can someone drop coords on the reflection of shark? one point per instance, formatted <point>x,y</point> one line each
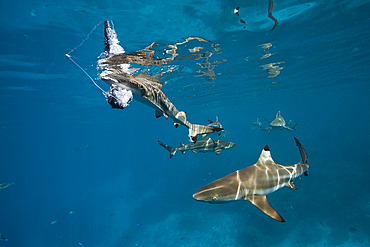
<point>87,147</point>
<point>205,145</point>
<point>279,124</point>
<point>254,182</point>
<point>5,185</point>
<point>118,73</point>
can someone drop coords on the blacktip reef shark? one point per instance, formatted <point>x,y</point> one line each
<point>218,125</point>
<point>279,124</point>
<point>253,183</point>
<point>119,74</point>
<point>205,145</point>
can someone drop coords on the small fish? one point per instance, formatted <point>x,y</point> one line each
<point>353,228</point>
<point>321,222</point>
<point>3,238</point>
<point>80,244</point>
<point>182,238</point>
<point>53,222</point>
<point>71,212</point>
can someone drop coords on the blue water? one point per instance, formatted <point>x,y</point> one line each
<point>124,190</point>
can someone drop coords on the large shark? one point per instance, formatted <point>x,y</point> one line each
<point>119,73</point>
<point>253,183</point>
<point>205,145</point>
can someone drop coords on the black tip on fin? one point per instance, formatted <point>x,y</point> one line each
<point>302,151</point>
<point>266,148</point>
<point>297,142</point>
<point>194,139</point>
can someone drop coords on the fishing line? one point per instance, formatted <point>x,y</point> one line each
<point>87,37</point>
<point>69,56</point>
<point>116,97</point>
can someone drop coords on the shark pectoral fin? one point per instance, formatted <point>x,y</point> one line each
<point>195,151</point>
<point>159,114</point>
<point>218,151</point>
<point>260,201</point>
<point>291,185</point>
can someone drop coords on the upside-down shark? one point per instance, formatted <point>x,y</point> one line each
<point>254,182</point>
<point>205,145</point>
<point>118,72</point>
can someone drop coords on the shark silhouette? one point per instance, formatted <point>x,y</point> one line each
<point>254,182</point>
<point>279,124</point>
<point>205,145</point>
<point>119,73</point>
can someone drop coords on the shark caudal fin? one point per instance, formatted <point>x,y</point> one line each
<point>111,41</point>
<point>295,125</point>
<point>302,151</point>
<point>197,129</point>
<point>170,149</point>
<point>304,166</point>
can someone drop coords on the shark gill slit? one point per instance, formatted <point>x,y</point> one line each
<point>238,179</point>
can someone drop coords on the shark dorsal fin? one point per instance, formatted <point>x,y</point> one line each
<point>265,155</point>
<point>260,201</point>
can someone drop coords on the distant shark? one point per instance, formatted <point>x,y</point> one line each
<point>279,124</point>
<point>216,124</point>
<point>5,185</point>
<point>205,145</point>
<point>254,182</point>
<point>118,73</point>
<point>87,147</point>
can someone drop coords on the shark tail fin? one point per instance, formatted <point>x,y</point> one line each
<point>111,41</point>
<point>295,125</point>
<point>170,149</point>
<point>302,151</point>
<point>289,128</point>
<point>197,129</point>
